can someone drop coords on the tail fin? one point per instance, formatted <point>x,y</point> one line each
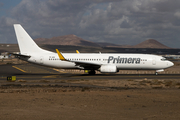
<point>26,44</point>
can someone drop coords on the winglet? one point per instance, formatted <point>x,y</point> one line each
<point>77,51</point>
<point>60,55</point>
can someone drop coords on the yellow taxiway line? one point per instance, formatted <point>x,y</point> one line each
<point>59,70</point>
<point>19,69</point>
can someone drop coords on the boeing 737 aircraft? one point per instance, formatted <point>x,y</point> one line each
<point>103,62</point>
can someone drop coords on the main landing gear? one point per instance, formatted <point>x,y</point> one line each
<point>92,72</point>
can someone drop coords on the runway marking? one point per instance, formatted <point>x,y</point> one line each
<point>19,69</point>
<point>150,77</point>
<point>59,70</point>
<point>51,76</point>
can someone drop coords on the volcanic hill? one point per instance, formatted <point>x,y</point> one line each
<point>72,40</point>
<point>151,43</point>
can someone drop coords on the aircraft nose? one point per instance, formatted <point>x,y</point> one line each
<point>170,63</point>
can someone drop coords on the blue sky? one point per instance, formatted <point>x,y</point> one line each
<point>7,5</point>
<point>124,22</point>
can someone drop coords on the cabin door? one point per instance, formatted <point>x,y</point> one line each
<point>41,60</point>
<point>154,61</point>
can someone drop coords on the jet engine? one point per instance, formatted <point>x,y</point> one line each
<point>108,68</point>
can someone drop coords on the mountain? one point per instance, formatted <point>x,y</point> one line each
<point>151,43</point>
<point>72,40</point>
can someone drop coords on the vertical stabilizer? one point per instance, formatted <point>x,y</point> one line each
<point>26,44</point>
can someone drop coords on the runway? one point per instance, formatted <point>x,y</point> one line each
<point>35,72</point>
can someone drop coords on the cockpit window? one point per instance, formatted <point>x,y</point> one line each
<point>163,59</point>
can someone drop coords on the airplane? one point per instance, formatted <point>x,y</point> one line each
<point>91,62</point>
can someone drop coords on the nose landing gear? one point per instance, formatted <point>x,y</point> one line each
<point>156,73</point>
<point>159,71</point>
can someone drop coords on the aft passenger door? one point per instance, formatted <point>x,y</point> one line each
<point>41,60</point>
<point>153,61</point>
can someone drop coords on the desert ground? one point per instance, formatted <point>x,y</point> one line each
<point>113,99</point>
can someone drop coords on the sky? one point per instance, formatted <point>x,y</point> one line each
<point>123,22</point>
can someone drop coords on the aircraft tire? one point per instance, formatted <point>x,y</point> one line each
<point>92,72</point>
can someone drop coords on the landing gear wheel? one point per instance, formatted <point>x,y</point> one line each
<point>92,72</point>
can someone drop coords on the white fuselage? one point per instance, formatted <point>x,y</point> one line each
<point>122,61</point>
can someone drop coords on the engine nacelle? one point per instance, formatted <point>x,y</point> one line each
<point>108,68</point>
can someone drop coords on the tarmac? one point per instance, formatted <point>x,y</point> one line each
<point>39,76</point>
<point>36,72</point>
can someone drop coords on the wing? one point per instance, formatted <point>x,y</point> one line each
<point>87,65</point>
<point>81,64</point>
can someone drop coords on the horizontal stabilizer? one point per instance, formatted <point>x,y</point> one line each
<point>20,55</point>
